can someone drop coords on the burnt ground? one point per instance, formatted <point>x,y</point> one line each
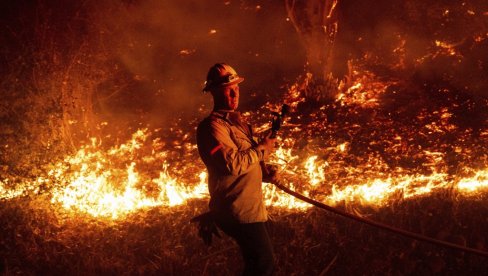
<point>162,241</point>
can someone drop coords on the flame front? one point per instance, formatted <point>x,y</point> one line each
<point>109,184</point>
<point>144,172</point>
<point>96,182</point>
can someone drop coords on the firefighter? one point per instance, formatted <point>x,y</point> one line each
<point>232,157</point>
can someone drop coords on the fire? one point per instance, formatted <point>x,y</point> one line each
<point>276,198</point>
<point>144,172</point>
<point>446,46</point>
<point>379,191</point>
<point>6,193</point>
<point>91,191</point>
<point>315,173</point>
<point>363,91</point>
<point>111,183</point>
<point>472,184</point>
<point>374,191</point>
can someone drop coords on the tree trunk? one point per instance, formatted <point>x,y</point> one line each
<point>316,22</point>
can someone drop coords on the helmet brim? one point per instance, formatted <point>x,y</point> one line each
<point>234,81</point>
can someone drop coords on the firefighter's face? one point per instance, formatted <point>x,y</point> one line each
<point>226,97</point>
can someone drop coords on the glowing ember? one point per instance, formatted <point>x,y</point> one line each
<point>144,172</point>
<point>6,193</point>
<point>446,46</point>
<point>92,181</point>
<point>363,91</point>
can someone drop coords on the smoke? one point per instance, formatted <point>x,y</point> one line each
<point>138,62</point>
<point>165,48</point>
<point>69,66</point>
<point>435,45</point>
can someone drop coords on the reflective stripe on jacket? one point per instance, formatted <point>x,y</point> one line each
<point>229,152</point>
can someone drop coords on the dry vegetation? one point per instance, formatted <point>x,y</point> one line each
<point>41,238</point>
<point>35,241</point>
<point>58,72</point>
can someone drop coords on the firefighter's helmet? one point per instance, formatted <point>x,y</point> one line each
<point>221,74</point>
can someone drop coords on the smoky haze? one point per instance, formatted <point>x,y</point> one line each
<point>68,65</point>
<point>165,49</point>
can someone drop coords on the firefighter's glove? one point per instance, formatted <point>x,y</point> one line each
<point>267,145</point>
<point>206,227</point>
<point>270,174</point>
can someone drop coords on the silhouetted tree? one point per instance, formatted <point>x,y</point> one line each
<point>316,22</point>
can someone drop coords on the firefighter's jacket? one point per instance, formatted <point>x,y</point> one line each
<point>232,158</point>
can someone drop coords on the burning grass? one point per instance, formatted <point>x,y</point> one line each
<point>404,145</point>
<point>125,208</point>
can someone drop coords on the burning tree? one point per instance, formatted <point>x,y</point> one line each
<point>405,143</point>
<point>316,23</point>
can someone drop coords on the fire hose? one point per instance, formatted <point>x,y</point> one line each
<point>207,228</point>
<point>379,225</point>
<point>276,124</point>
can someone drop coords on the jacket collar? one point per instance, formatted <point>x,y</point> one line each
<point>233,118</point>
<point>225,114</point>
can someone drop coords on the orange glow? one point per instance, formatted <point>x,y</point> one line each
<point>474,184</point>
<point>112,182</point>
<point>90,185</point>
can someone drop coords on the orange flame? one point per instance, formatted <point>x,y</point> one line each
<point>138,174</point>
<point>90,183</point>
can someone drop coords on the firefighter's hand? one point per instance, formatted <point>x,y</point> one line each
<point>270,174</point>
<point>267,145</point>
